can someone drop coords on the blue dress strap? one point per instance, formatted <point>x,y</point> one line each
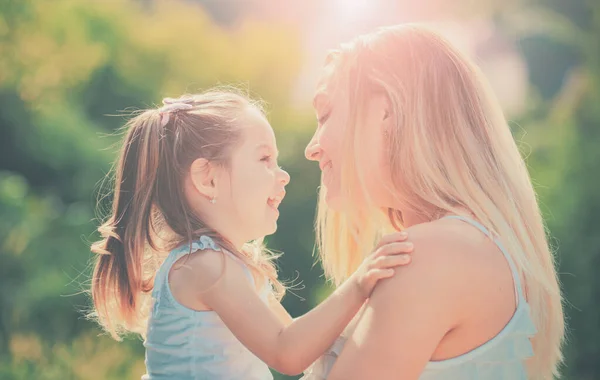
<point>511,263</point>
<point>204,243</point>
<point>247,271</point>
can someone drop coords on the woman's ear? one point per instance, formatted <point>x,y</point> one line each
<point>386,108</point>
<point>203,175</point>
<point>386,117</point>
<point>386,114</point>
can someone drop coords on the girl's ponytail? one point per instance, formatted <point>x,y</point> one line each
<point>118,278</point>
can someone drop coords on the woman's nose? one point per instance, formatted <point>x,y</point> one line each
<point>313,149</point>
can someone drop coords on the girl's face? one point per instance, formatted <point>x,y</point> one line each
<point>251,189</point>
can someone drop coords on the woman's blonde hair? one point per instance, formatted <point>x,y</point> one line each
<point>150,212</point>
<point>451,150</point>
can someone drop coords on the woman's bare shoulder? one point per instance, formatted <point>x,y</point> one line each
<point>451,262</point>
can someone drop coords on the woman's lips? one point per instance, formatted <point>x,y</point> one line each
<point>324,165</point>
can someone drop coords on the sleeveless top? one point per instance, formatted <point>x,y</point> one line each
<point>184,344</point>
<point>501,358</point>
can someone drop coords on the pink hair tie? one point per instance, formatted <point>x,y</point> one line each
<point>172,105</point>
<point>184,100</point>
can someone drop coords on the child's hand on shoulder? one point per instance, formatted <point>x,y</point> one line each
<point>392,251</point>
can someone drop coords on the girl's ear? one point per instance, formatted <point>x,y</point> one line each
<point>203,175</point>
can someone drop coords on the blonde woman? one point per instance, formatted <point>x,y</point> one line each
<point>410,137</point>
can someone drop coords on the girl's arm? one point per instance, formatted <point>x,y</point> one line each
<point>277,308</point>
<point>288,347</point>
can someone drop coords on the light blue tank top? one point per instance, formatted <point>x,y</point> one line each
<point>501,358</point>
<point>184,344</point>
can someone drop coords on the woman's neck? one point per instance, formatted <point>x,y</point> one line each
<point>410,219</point>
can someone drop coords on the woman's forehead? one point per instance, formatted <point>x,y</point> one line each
<point>327,81</point>
<point>326,92</point>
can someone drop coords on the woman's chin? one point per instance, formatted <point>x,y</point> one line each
<point>334,201</point>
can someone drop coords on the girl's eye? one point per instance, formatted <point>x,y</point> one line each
<point>266,158</point>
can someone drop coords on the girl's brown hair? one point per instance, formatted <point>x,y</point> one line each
<point>150,213</point>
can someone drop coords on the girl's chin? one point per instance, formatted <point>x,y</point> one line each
<point>271,229</point>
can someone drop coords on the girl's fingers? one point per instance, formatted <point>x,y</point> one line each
<point>385,262</point>
<point>379,274</point>
<point>393,237</point>
<point>394,249</point>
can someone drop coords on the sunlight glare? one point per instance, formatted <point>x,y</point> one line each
<point>351,9</point>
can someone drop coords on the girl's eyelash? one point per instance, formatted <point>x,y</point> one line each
<point>266,158</point>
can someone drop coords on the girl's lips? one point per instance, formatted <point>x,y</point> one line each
<point>275,201</point>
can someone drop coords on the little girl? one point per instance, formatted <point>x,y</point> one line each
<point>198,178</point>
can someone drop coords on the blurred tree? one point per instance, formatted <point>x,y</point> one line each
<point>560,43</point>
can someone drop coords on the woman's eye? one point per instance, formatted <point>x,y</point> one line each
<point>266,158</point>
<point>323,118</point>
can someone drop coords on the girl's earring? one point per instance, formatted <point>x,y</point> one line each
<point>213,200</point>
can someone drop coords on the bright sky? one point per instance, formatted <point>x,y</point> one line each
<point>324,24</point>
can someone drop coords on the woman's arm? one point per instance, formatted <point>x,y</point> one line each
<point>287,346</point>
<point>408,315</point>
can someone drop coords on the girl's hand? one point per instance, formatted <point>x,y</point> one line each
<point>392,251</point>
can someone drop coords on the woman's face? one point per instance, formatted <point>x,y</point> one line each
<point>326,146</point>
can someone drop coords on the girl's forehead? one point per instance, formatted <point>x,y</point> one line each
<point>257,130</point>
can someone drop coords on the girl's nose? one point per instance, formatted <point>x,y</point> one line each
<point>284,177</point>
